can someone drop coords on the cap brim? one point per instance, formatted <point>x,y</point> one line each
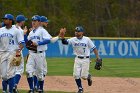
<point>8,18</point>
<point>47,21</point>
<point>34,19</point>
<point>4,18</point>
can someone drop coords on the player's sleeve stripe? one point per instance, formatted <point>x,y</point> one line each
<point>21,42</point>
<point>64,41</point>
<point>93,48</point>
<point>25,38</point>
<point>46,41</point>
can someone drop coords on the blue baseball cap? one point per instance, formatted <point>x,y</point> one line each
<point>44,19</point>
<point>20,18</point>
<point>8,16</point>
<point>36,18</point>
<point>79,29</point>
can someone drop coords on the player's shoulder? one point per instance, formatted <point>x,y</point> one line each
<point>41,29</point>
<point>14,27</point>
<point>72,38</point>
<point>2,28</point>
<point>85,37</point>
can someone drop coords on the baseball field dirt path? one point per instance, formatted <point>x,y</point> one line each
<point>100,84</point>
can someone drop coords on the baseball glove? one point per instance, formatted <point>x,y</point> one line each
<point>30,46</point>
<point>98,64</point>
<point>16,61</point>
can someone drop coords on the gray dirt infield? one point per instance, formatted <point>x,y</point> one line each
<point>100,84</point>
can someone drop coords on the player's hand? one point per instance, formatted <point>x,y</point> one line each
<point>34,43</point>
<point>25,30</point>
<point>31,29</point>
<point>62,32</point>
<point>18,52</point>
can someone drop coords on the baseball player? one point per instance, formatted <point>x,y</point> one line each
<point>11,41</point>
<point>82,46</point>
<point>33,63</point>
<point>44,23</point>
<point>4,82</point>
<point>20,19</point>
<point>37,59</point>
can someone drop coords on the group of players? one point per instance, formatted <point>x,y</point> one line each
<point>13,38</point>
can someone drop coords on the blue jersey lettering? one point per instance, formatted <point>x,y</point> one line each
<point>80,44</point>
<point>6,35</point>
<point>35,37</point>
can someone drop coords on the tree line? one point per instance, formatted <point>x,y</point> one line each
<point>100,18</point>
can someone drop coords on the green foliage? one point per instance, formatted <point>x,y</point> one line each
<point>98,17</point>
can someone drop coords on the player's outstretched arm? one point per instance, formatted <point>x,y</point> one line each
<point>60,35</point>
<point>96,53</point>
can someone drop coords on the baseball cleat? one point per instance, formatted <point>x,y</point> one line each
<point>40,91</point>
<point>30,91</point>
<point>15,89</point>
<point>80,91</point>
<point>35,89</point>
<point>4,92</point>
<point>89,80</point>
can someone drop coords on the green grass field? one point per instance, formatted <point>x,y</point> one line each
<point>111,68</point>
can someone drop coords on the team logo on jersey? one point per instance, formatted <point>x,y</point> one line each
<point>35,37</point>
<point>6,35</point>
<point>80,44</point>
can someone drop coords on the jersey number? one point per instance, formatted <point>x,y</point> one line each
<point>11,42</point>
<point>84,49</point>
